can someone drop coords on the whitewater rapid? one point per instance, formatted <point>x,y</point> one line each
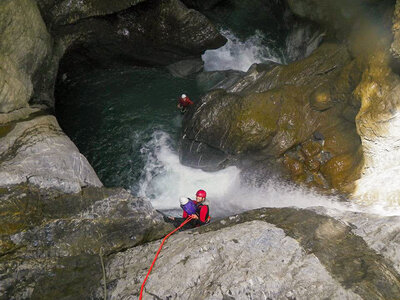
<point>165,180</point>
<point>239,54</point>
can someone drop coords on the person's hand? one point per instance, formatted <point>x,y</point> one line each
<point>194,217</point>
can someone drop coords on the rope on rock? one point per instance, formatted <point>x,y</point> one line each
<point>158,252</point>
<point>104,274</point>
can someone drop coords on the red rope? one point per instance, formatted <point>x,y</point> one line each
<point>158,252</point>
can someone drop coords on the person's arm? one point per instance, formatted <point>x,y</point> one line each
<point>190,101</point>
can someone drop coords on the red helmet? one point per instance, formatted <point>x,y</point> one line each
<point>201,193</point>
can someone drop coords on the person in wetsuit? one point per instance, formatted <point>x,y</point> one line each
<point>195,208</point>
<point>184,102</point>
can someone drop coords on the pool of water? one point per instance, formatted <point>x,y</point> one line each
<point>112,114</point>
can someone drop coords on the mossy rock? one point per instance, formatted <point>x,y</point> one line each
<point>342,170</point>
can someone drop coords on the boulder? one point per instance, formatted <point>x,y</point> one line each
<point>218,79</point>
<point>265,253</point>
<point>25,47</point>
<point>274,112</point>
<point>37,151</point>
<point>53,245</point>
<point>185,68</point>
<point>133,37</point>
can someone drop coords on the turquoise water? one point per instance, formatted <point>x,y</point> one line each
<point>112,114</point>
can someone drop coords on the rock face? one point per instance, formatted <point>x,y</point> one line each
<point>378,118</point>
<point>301,114</point>
<point>50,242</point>
<point>338,17</point>
<point>58,13</point>
<point>24,47</point>
<point>201,4</point>
<point>133,37</point>
<point>263,254</point>
<point>53,245</point>
<point>395,47</point>
<point>37,151</point>
<point>378,123</point>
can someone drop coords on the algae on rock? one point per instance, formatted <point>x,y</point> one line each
<point>271,113</point>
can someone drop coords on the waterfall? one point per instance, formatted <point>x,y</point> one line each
<point>165,179</point>
<point>240,55</point>
<point>379,183</point>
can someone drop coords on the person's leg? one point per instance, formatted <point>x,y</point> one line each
<point>191,224</point>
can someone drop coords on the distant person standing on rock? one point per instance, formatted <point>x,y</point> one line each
<point>184,102</point>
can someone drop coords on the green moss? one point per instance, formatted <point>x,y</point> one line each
<point>5,129</point>
<point>74,277</point>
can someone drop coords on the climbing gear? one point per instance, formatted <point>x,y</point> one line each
<point>183,96</point>
<point>190,207</point>
<point>201,193</point>
<point>158,252</point>
<point>183,200</point>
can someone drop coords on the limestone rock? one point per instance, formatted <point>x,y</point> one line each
<point>380,233</point>
<point>201,4</point>
<point>37,151</point>
<point>24,47</point>
<point>395,47</point>
<point>7,120</point>
<point>132,37</point>
<point>378,125</point>
<point>338,17</point>
<point>52,245</point>
<point>185,68</point>
<point>302,40</point>
<point>255,260</point>
<point>266,253</point>
<point>51,242</point>
<point>57,13</point>
<point>267,113</point>
<point>218,79</point>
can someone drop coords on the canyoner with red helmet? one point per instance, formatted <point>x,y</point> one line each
<point>201,215</point>
<point>184,102</point>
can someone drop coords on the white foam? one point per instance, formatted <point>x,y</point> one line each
<point>165,180</point>
<point>379,182</point>
<point>239,55</point>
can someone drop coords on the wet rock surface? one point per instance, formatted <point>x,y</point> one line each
<point>51,243</point>
<point>276,112</point>
<point>25,46</point>
<point>265,253</point>
<point>201,4</point>
<point>58,13</point>
<point>133,37</point>
<point>37,151</point>
<point>54,245</point>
